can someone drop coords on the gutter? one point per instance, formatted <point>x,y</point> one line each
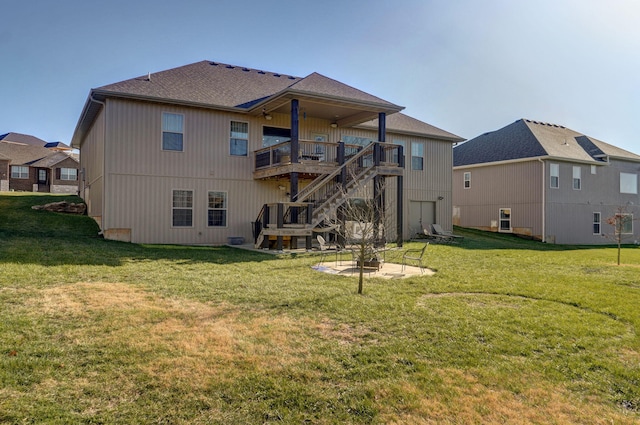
<point>544,196</point>
<point>104,160</point>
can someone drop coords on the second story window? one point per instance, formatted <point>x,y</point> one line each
<point>554,176</point>
<point>239,139</point>
<point>629,183</point>
<point>577,178</point>
<point>172,132</point>
<point>467,180</point>
<point>417,156</point>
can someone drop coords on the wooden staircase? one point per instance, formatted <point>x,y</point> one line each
<point>318,202</point>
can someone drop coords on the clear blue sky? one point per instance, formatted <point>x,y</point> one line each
<point>467,66</point>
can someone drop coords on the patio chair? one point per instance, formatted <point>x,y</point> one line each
<point>427,234</point>
<point>324,248</point>
<point>437,230</point>
<point>324,245</point>
<point>414,255</point>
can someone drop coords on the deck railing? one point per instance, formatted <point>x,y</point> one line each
<point>321,152</point>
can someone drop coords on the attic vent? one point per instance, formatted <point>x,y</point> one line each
<point>246,69</point>
<point>230,66</point>
<point>213,63</point>
<point>261,72</point>
<point>292,78</point>
<point>276,75</point>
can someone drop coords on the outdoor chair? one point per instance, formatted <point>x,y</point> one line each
<point>427,234</point>
<point>414,255</point>
<point>324,245</point>
<point>437,230</point>
<point>324,248</point>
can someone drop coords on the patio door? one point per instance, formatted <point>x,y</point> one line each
<point>421,215</point>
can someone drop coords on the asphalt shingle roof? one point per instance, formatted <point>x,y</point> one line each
<point>22,138</point>
<point>23,154</point>
<point>405,124</point>
<point>222,85</point>
<point>531,139</point>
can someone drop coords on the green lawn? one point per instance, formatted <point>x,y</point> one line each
<point>507,331</point>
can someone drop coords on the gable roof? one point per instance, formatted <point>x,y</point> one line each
<point>24,139</point>
<point>221,86</point>
<point>227,86</point>
<point>52,159</point>
<point>404,124</point>
<point>533,139</point>
<point>34,156</point>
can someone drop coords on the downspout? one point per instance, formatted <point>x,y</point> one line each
<point>104,162</point>
<point>544,195</point>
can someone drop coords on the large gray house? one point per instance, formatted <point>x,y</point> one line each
<point>547,182</point>
<point>209,151</point>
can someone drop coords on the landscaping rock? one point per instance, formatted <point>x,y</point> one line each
<point>63,207</point>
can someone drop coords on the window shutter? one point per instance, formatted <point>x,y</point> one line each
<point>57,173</point>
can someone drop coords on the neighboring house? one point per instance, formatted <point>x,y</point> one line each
<point>32,168</point>
<point>208,151</point>
<point>547,182</point>
<point>22,139</point>
<point>59,146</point>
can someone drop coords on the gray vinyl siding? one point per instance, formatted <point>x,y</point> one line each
<point>563,215</point>
<point>569,213</point>
<point>136,177</point>
<point>430,186</point>
<point>91,184</point>
<point>516,185</point>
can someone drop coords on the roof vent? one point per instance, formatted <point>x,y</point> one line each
<point>213,63</point>
<point>276,75</point>
<point>261,72</point>
<point>292,78</point>
<point>246,69</point>
<point>230,66</point>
